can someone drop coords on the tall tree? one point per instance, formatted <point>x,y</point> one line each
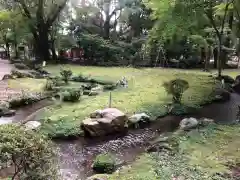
<point>183,13</point>
<point>41,14</point>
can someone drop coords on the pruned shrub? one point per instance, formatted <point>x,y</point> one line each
<point>66,75</point>
<point>104,163</point>
<point>19,74</point>
<point>30,155</point>
<point>49,86</point>
<point>71,95</point>
<point>176,88</point>
<point>80,78</point>
<point>21,66</point>
<point>24,99</point>
<point>109,87</point>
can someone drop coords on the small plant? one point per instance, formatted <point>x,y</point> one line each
<point>176,88</point>
<point>66,75</point>
<point>71,95</point>
<point>104,163</point>
<point>49,86</point>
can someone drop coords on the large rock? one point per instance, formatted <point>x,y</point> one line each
<point>228,79</point>
<point>236,86</point>
<point>32,125</point>
<point>222,95</point>
<point>188,124</point>
<point>99,177</point>
<point>5,111</point>
<point>111,120</point>
<point>205,121</point>
<point>237,79</point>
<point>139,119</point>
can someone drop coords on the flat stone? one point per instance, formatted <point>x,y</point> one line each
<point>32,125</point>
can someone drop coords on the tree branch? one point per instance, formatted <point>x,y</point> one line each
<point>225,15</point>
<point>55,13</point>
<point>25,8</point>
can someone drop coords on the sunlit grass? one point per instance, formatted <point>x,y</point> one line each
<point>27,84</point>
<point>144,94</point>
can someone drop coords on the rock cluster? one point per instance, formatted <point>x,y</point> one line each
<point>110,120</point>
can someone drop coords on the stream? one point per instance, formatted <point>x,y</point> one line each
<point>76,156</point>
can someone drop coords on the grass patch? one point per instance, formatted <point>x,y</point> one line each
<point>213,152</point>
<point>141,169</point>
<point>204,154</point>
<point>27,84</point>
<point>144,94</point>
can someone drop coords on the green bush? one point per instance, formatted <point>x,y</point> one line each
<point>66,75</point>
<point>62,128</point>
<point>19,74</point>
<point>49,86</point>
<point>21,66</point>
<point>81,78</point>
<point>71,95</point>
<point>109,87</point>
<point>176,88</point>
<point>104,52</point>
<point>24,99</point>
<point>104,163</point>
<point>31,155</point>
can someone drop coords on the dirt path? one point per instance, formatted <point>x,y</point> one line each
<point>5,68</point>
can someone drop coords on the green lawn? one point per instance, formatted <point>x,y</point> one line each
<point>144,94</point>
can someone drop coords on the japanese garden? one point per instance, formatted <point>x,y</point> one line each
<point>119,89</point>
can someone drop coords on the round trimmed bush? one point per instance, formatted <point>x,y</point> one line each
<point>104,163</point>
<point>71,95</point>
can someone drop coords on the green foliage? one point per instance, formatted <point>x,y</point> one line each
<point>64,127</point>
<point>103,52</point>
<point>176,88</point>
<point>71,95</point>
<point>21,74</point>
<point>109,87</point>
<point>104,163</point>
<point>199,41</point>
<point>49,86</point>
<point>24,99</point>
<point>81,78</point>
<point>66,75</point>
<point>30,154</point>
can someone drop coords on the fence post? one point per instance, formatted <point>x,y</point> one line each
<point>110,100</point>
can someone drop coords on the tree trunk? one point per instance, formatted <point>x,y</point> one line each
<point>15,44</point>
<point>54,55</point>
<point>215,56</point>
<point>42,46</point>
<point>8,50</point>
<point>106,29</point>
<point>219,61</point>
<point>16,49</point>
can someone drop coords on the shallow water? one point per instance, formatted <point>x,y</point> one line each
<point>76,156</point>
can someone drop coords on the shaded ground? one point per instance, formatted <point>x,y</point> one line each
<point>5,68</point>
